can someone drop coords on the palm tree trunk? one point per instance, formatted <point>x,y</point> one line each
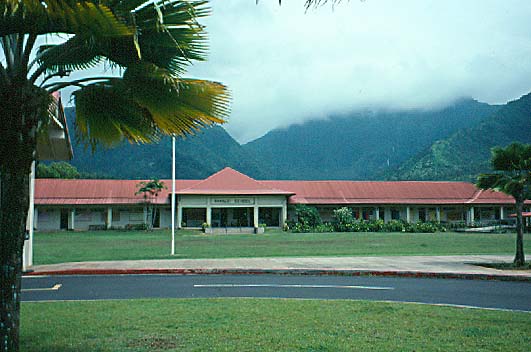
<point>14,189</point>
<point>519,259</point>
<point>17,148</point>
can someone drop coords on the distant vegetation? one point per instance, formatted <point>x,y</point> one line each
<point>466,153</point>
<point>63,169</point>
<point>447,144</point>
<point>361,145</point>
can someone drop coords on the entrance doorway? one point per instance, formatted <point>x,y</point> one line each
<point>156,218</point>
<point>64,219</point>
<point>232,217</point>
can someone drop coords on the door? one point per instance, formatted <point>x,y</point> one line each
<point>64,219</point>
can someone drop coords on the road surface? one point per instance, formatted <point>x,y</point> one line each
<point>475,293</point>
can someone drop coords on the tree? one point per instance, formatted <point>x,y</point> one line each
<point>150,190</point>
<point>513,177</point>
<point>60,169</point>
<point>148,44</point>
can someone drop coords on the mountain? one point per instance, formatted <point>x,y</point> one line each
<point>466,153</point>
<point>197,157</point>
<point>361,145</point>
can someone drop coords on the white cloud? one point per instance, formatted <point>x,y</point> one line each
<point>285,66</point>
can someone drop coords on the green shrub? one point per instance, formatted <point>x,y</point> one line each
<point>375,225</point>
<point>300,228</point>
<point>343,219</point>
<point>326,227</point>
<point>395,226</point>
<point>308,216</point>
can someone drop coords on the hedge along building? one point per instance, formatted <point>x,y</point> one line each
<point>230,201</point>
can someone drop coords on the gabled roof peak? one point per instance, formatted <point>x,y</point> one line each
<point>229,181</point>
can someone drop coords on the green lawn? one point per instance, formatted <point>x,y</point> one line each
<point>115,245</point>
<point>267,325</point>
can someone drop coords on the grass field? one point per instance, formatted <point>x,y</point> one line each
<point>115,245</point>
<point>267,325</point>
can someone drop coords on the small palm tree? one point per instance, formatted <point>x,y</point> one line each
<point>513,177</point>
<point>150,190</point>
<point>148,43</point>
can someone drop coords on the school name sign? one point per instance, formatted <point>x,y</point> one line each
<point>232,201</point>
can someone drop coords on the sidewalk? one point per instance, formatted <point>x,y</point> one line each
<point>412,266</point>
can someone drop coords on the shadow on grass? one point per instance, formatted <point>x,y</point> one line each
<point>505,266</point>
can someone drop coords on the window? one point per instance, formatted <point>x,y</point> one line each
<point>116,215</point>
<point>193,217</point>
<point>83,215</point>
<point>136,215</point>
<point>269,216</point>
<point>395,214</point>
<point>44,215</point>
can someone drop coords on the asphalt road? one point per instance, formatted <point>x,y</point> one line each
<point>484,294</point>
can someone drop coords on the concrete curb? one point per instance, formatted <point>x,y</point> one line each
<point>316,272</point>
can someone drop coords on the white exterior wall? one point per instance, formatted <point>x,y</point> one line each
<point>48,219</point>
<point>122,216</point>
<point>84,217</point>
<point>165,218</point>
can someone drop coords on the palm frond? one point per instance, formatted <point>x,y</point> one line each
<point>77,53</point>
<point>169,35</point>
<point>105,115</point>
<point>146,103</point>
<point>177,105</point>
<point>59,16</point>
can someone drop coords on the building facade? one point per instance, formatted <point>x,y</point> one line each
<point>230,199</point>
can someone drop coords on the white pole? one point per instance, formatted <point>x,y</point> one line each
<point>27,255</point>
<point>173,197</point>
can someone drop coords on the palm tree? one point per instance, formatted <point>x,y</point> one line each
<point>513,177</point>
<point>148,43</point>
<point>150,190</point>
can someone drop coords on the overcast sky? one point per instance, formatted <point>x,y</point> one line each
<point>285,66</point>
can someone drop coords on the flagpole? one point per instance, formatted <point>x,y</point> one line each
<point>173,197</point>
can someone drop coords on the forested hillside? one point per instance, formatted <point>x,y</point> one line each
<point>466,153</point>
<point>448,144</point>
<point>361,145</point>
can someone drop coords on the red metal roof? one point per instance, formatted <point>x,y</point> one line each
<point>93,192</point>
<point>385,192</point>
<point>232,182</point>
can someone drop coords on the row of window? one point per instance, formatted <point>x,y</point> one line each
<point>231,217</point>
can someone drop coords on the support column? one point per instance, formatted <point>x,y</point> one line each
<point>438,214</point>
<point>471,216</point>
<point>109,218</point>
<point>408,214</point>
<point>27,250</point>
<point>360,213</point>
<point>255,216</point>
<point>502,212</point>
<point>35,218</point>
<point>145,215</point>
<point>209,215</point>
<point>72,219</point>
<point>377,213</point>
<point>284,219</point>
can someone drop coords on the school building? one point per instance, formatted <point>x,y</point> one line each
<point>231,200</point>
